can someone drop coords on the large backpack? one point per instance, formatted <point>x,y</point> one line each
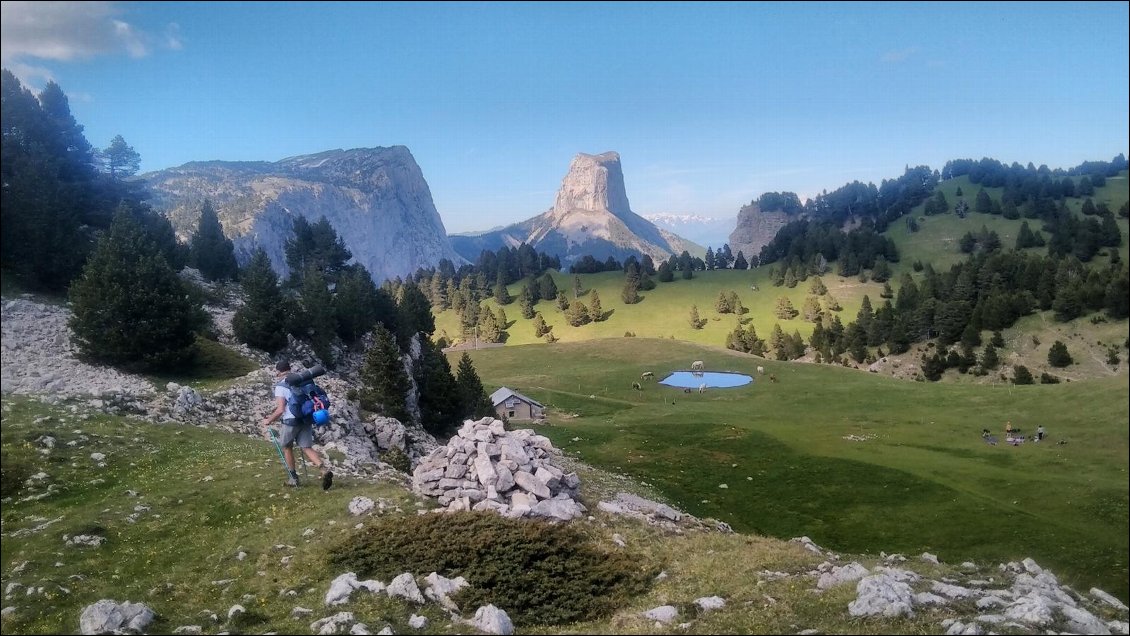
<point>306,399</point>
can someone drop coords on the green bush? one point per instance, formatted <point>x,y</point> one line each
<point>397,459</point>
<point>540,574</point>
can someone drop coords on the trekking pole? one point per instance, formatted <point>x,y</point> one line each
<point>282,459</point>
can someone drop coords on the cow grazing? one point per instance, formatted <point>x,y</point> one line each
<point>772,378</point>
<point>636,386</point>
<point>702,388</point>
<point>647,375</point>
<point>697,365</point>
<point>761,370</point>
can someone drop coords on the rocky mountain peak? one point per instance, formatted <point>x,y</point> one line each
<point>594,182</point>
<point>591,216</point>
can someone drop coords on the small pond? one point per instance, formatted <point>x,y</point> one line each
<point>714,380</point>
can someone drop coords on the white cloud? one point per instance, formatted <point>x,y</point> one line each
<point>173,38</point>
<point>69,31</point>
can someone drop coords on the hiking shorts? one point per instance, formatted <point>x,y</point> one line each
<point>303,433</point>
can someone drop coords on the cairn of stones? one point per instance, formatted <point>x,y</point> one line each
<point>486,467</point>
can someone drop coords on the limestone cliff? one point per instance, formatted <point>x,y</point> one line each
<point>376,199</point>
<point>756,227</point>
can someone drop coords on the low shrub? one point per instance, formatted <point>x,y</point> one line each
<point>397,459</point>
<point>540,574</point>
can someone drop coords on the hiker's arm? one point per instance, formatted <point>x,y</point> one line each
<point>280,408</point>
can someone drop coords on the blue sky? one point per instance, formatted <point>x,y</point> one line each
<point>709,105</point>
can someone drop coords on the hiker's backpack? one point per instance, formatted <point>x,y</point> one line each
<point>309,402</point>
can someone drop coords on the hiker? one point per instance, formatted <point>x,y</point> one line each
<point>1008,429</point>
<point>293,430</point>
<point>1040,433</point>
<point>985,433</point>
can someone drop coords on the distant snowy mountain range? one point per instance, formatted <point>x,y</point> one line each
<point>703,230</point>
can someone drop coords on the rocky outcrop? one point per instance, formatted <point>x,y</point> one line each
<point>755,228</point>
<point>590,216</point>
<point>486,467</point>
<point>375,198</point>
<point>38,359</point>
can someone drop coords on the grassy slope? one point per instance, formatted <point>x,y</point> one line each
<point>179,557</point>
<point>937,237</point>
<point>925,482</point>
<point>665,310</point>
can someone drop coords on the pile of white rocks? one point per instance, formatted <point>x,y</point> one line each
<point>486,467</point>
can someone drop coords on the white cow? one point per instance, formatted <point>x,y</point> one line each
<point>697,365</point>
<point>702,388</point>
<point>761,370</point>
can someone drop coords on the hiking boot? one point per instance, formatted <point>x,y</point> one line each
<point>293,481</point>
<point>327,479</point>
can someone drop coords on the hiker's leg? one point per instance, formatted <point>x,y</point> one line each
<point>306,443</point>
<point>314,458</point>
<point>286,440</point>
<point>305,438</point>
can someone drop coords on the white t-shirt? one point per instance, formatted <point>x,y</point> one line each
<point>284,393</point>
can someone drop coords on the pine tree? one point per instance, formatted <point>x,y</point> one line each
<point>503,321</point>
<point>129,308</point>
<point>359,304</point>
<point>776,343</point>
<point>413,314</point>
<point>695,321</point>
<point>501,293</point>
<point>526,303</point>
<point>211,252</point>
<point>261,321</point>
<point>318,313</point>
<point>1021,375</point>
<point>785,309</point>
<point>473,397</point>
<point>562,300</point>
<point>709,260</point>
<point>441,404</point>
<point>317,245</point>
<point>577,314</point>
<point>989,358</point>
<point>790,279</point>
<point>488,329</point>
<point>540,328</point>
<point>722,304</point>
<point>811,309</point>
<point>817,287</point>
<point>384,384</point>
<point>740,262</point>
<point>120,159</point>
<point>1058,355</point>
<point>547,288</point>
<point>631,292</point>
<point>576,287</point>
<point>997,340</point>
<point>596,312</point>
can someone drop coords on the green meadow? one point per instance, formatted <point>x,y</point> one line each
<point>664,311</point>
<point>858,462</point>
<point>936,240</point>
